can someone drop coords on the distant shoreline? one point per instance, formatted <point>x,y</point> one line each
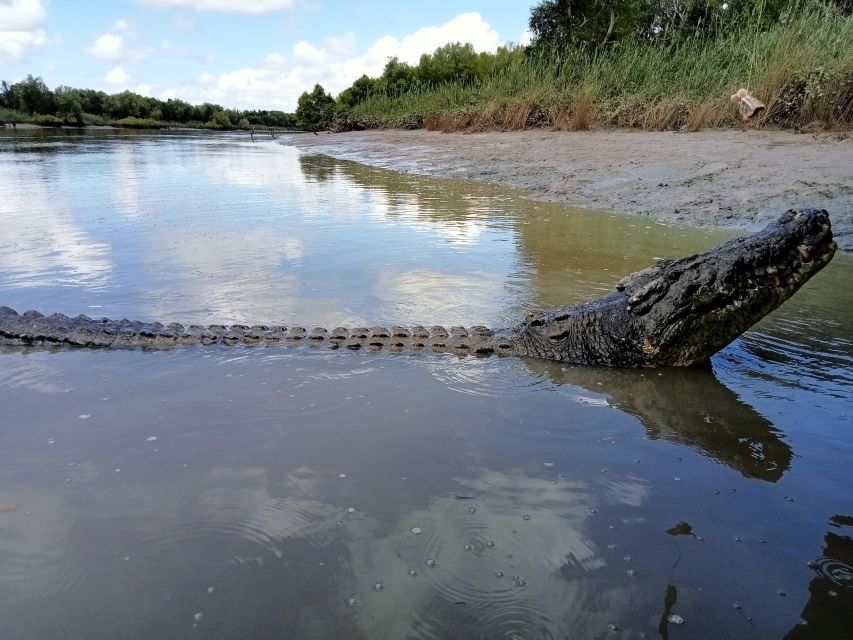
<point>719,178</point>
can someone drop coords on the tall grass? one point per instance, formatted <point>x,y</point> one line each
<point>801,67</point>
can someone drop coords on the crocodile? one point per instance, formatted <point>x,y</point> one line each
<point>675,313</point>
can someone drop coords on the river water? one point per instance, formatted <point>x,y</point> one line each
<point>262,493</point>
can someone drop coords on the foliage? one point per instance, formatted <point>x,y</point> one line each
<point>220,120</point>
<point>453,62</point>
<point>560,24</point>
<point>131,122</point>
<point>47,120</point>
<point>359,91</point>
<point>315,110</point>
<point>797,59</point>
<point>30,100</point>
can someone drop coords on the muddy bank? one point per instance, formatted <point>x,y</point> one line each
<point>713,178</point>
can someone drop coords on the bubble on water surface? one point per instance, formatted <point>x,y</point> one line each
<point>378,586</point>
<point>352,602</point>
<point>472,509</point>
<point>468,547</point>
<point>84,416</point>
<point>151,438</point>
<point>526,516</point>
<point>430,563</point>
<point>490,543</point>
<point>417,531</point>
<point>413,572</point>
<point>342,475</point>
<point>351,510</point>
<point>198,616</point>
<point>674,618</point>
<point>51,441</point>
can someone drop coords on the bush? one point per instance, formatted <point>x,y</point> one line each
<point>137,123</point>
<point>46,120</point>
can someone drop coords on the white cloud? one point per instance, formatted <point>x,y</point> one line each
<point>108,46</point>
<point>525,38</point>
<point>17,45</point>
<point>21,28</point>
<point>112,45</point>
<point>117,76</point>
<point>21,15</point>
<point>229,6</point>
<point>272,85</point>
<point>274,61</point>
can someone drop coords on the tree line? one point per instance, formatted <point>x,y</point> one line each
<point>31,100</point>
<point>455,62</point>
<point>558,28</point>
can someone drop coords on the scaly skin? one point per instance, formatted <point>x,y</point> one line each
<point>677,313</point>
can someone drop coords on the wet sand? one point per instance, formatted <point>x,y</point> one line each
<point>725,178</point>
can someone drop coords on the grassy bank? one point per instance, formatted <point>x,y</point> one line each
<point>801,68</point>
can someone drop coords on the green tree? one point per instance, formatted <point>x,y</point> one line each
<point>315,110</point>
<point>452,62</point>
<point>358,91</point>
<point>397,78</point>
<point>560,24</point>
<point>68,105</point>
<point>220,120</point>
<point>33,96</point>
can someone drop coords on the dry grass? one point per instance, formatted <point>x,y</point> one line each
<point>709,113</point>
<point>582,111</point>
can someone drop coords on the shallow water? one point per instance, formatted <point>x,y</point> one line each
<point>254,493</point>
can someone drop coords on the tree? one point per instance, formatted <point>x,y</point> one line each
<point>33,96</point>
<point>220,120</point>
<point>315,110</point>
<point>397,77</point>
<point>560,24</point>
<point>452,62</point>
<point>359,91</point>
<point>68,105</point>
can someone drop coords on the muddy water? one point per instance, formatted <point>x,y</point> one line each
<point>259,493</point>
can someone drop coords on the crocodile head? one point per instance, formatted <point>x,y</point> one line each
<point>688,309</point>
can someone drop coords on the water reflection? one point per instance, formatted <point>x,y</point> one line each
<point>690,407</point>
<point>486,563</point>
<point>566,255</point>
<point>239,492</point>
<point>828,615</point>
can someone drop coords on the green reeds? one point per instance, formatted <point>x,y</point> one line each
<point>801,67</point>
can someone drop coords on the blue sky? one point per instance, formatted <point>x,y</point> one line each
<point>238,53</point>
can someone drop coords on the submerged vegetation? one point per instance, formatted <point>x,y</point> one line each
<point>625,63</point>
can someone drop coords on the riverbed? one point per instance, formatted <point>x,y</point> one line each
<point>226,492</point>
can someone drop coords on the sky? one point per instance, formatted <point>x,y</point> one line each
<point>245,54</point>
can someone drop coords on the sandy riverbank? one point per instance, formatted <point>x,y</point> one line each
<point>716,178</point>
